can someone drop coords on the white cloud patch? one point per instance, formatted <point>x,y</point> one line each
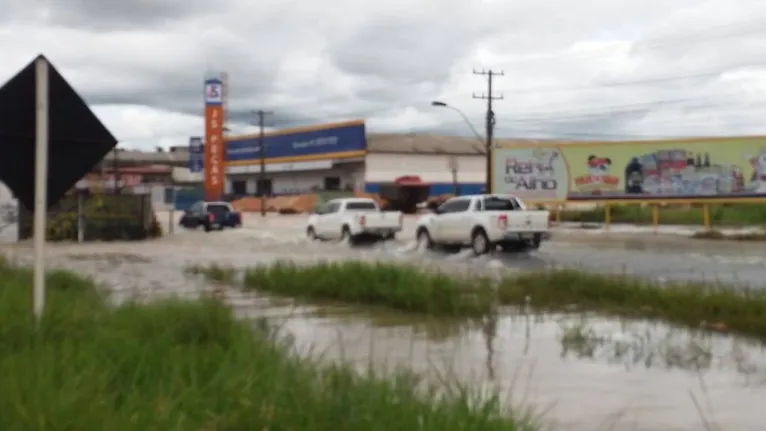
<point>594,68</point>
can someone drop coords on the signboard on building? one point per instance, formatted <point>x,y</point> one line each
<point>214,147</point>
<point>196,154</point>
<point>331,141</point>
<point>644,170</point>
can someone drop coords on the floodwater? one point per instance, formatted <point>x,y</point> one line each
<point>587,373</point>
<point>581,372</point>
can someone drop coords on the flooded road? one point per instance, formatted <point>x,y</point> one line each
<point>591,373</point>
<point>586,373</point>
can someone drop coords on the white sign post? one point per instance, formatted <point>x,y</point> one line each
<point>41,183</point>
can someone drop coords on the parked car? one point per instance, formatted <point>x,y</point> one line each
<point>484,222</point>
<point>354,220</point>
<point>210,216</point>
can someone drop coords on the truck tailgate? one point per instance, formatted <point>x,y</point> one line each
<point>528,221</point>
<point>381,220</point>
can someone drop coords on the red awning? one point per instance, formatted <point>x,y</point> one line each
<point>410,180</point>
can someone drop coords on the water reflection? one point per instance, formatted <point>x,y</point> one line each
<point>588,367</point>
<point>649,345</point>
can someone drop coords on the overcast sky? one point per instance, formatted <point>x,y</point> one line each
<point>577,69</point>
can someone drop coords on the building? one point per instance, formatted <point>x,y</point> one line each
<point>342,156</point>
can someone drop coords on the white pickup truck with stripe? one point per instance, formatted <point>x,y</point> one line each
<point>352,220</point>
<point>483,223</point>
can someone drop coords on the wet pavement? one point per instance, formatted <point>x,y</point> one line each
<point>598,383</point>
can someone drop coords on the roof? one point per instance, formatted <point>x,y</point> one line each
<point>178,158</point>
<point>295,130</point>
<point>412,143</point>
<point>398,143</point>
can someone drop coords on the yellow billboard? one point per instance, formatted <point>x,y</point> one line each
<point>642,170</point>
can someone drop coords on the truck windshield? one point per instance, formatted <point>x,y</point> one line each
<point>500,204</point>
<point>361,206</point>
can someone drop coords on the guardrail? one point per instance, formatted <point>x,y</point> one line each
<point>700,212</point>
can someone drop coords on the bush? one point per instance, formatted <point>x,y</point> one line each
<point>722,214</point>
<point>410,289</point>
<point>108,217</point>
<point>398,287</point>
<point>191,366</point>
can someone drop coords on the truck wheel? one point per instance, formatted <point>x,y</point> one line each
<point>424,240</point>
<point>534,244</point>
<point>311,233</point>
<point>479,242</point>
<point>345,236</point>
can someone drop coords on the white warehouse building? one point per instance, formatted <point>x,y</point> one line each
<point>403,168</point>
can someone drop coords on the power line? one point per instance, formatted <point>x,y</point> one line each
<point>490,120</point>
<point>543,89</point>
<point>689,38</point>
<point>647,45</point>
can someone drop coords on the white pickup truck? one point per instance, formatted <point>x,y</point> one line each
<point>352,220</point>
<point>484,222</point>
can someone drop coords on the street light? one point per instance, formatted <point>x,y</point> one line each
<point>465,118</point>
<point>486,144</point>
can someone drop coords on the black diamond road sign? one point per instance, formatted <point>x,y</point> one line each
<point>77,139</point>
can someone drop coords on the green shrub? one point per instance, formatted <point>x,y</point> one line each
<point>720,215</point>
<point>398,287</point>
<point>185,365</point>
<point>408,288</point>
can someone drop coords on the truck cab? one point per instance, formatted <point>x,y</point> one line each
<point>484,222</point>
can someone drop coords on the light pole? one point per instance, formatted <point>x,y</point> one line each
<point>462,114</point>
<point>485,142</point>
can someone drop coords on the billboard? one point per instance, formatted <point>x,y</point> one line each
<point>214,145</point>
<point>337,140</point>
<point>196,154</point>
<point>672,169</point>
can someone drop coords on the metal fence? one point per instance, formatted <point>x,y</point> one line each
<point>94,217</point>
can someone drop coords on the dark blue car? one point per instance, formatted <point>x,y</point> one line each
<point>211,216</point>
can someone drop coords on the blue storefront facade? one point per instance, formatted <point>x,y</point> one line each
<point>333,156</point>
<point>298,160</point>
<point>322,142</point>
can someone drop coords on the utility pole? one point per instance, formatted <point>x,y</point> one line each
<point>490,120</point>
<point>262,150</point>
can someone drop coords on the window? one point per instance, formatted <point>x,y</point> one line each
<point>361,206</point>
<point>455,206</point>
<point>196,208</point>
<point>219,209</point>
<point>333,207</point>
<point>461,205</point>
<point>263,187</point>
<point>495,203</point>
<point>332,183</point>
<point>239,187</point>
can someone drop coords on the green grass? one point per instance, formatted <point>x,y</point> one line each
<point>410,289</point>
<point>183,365</point>
<point>401,288</point>
<point>720,215</point>
<point>689,304</point>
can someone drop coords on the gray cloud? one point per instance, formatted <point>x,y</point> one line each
<point>120,15</point>
<point>566,65</point>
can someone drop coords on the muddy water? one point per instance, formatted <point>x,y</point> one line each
<point>588,372</point>
<point>638,376</point>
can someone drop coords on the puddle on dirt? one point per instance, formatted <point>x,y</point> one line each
<point>588,372</point>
